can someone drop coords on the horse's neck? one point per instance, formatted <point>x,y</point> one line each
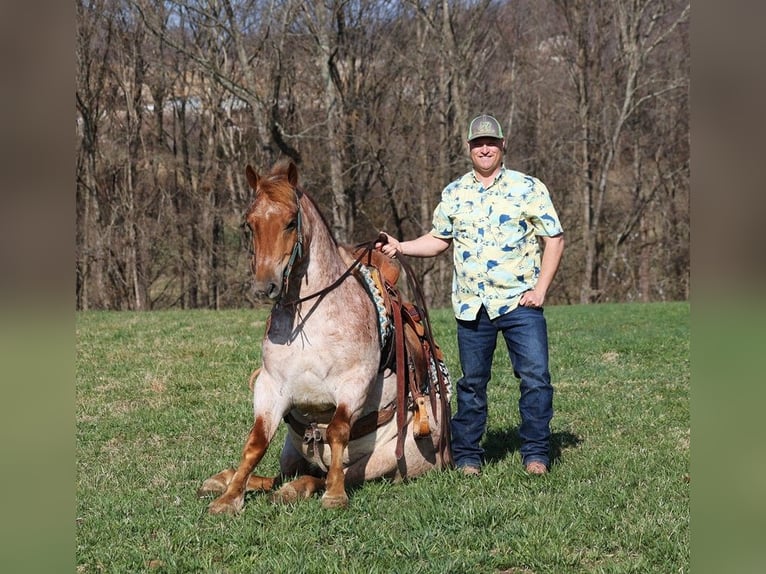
<point>326,263</point>
<point>326,296</point>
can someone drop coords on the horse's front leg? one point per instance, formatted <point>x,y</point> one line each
<point>233,499</point>
<point>338,432</point>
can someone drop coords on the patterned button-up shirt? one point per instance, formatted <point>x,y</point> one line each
<point>495,249</point>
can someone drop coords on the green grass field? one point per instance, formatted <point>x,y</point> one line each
<point>163,402</point>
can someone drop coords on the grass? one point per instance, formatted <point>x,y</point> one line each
<point>162,403</point>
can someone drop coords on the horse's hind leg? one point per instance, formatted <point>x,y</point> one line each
<point>218,483</point>
<point>299,489</point>
<point>233,498</point>
<point>421,455</point>
<point>293,464</point>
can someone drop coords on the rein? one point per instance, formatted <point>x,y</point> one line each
<point>368,247</point>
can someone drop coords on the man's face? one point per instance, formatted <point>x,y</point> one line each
<point>486,154</point>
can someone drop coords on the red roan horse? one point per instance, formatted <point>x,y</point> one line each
<point>343,363</point>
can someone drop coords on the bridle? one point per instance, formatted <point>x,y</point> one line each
<point>297,254</point>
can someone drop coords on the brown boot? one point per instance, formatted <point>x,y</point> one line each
<point>536,467</point>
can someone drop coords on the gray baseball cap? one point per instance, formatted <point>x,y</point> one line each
<point>484,126</point>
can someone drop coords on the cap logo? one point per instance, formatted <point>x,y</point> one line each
<point>485,127</point>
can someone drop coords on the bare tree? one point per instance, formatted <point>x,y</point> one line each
<point>372,99</point>
<point>93,51</point>
<point>611,45</point>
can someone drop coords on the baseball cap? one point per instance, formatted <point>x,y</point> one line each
<point>484,126</point>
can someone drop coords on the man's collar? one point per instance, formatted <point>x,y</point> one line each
<point>500,173</point>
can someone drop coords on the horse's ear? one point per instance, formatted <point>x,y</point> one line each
<point>252,177</point>
<point>292,174</point>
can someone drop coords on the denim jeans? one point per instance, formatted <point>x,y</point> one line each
<point>526,337</point>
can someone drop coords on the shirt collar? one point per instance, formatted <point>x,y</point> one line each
<point>497,177</point>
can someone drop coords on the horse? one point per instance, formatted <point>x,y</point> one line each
<point>348,364</point>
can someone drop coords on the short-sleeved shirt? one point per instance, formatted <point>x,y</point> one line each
<point>494,238</point>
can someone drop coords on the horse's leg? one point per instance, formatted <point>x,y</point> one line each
<point>301,488</point>
<point>420,455</point>
<point>233,498</point>
<point>217,483</point>
<point>293,464</point>
<point>337,437</point>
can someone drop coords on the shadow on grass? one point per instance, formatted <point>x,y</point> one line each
<point>499,444</point>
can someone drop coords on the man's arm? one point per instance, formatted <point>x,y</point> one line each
<point>424,246</point>
<point>553,249</point>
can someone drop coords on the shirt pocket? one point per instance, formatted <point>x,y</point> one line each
<point>470,222</point>
<point>508,225</point>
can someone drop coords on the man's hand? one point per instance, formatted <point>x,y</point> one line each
<point>533,298</point>
<point>388,245</point>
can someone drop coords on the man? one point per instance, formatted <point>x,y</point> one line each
<point>495,216</point>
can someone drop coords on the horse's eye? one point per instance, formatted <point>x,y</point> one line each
<point>247,236</point>
<point>291,225</point>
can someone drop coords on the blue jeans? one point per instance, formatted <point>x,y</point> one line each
<point>526,337</point>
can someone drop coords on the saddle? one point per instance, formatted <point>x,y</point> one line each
<point>411,352</point>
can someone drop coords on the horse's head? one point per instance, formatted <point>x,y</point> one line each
<point>275,223</point>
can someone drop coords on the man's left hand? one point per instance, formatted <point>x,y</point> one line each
<point>532,299</point>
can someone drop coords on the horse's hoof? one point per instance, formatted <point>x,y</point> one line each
<point>219,506</point>
<point>216,484</point>
<point>335,501</point>
<point>210,487</point>
<point>285,495</point>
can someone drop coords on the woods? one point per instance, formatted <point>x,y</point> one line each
<point>372,99</point>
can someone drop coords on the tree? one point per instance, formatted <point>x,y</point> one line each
<point>94,45</point>
<point>611,45</point>
<point>372,99</point>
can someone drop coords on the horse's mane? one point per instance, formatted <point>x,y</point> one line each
<point>313,202</point>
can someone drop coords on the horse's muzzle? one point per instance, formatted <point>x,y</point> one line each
<point>270,289</point>
<point>273,291</point>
